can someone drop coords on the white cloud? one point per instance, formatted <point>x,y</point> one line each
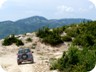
<point>64,11</point>
<point>63,8</point>
<point>87,9</point>
<point>93,1</point>
<point>2,2</point>
<point>82,10</point>
<point>91,6</point>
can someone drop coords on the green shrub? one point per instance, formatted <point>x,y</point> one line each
<point>53,64</point>
<point>85,40</point>
<point>12,39</point>
<point>53,40</point>
<point>29,39</point>
<point>72,31</point>
<point>43,32</point>
<point>76,60</point>
<point>66,38</point>
<point>6,42</point>
<point>79,68</point>
<point>19,42</point>
<point>50,37</point>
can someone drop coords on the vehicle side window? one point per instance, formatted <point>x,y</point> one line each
<point>27,50</point>
<point>20,51</point>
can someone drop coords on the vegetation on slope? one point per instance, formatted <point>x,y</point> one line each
<point>29,39</point>
<point>75,60</point>
<point>12,39</point>
<point>50,36</point>
<point>81,57</point>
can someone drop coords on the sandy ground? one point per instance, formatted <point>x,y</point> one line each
<point>42,55</point>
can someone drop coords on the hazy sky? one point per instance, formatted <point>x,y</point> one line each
<point>17,9</point>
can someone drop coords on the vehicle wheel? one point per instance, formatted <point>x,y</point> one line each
<point>19,63</point>
<point>32,61</point>
<point>24,56</point>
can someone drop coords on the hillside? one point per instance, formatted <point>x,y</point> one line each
<point>81,55</point>
<point>69,48</point>
<point>32,24</point>
<point>42,55</point>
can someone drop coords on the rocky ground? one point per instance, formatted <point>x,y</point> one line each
<point>42,54</point>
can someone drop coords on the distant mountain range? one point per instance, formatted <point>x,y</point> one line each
<point>33,24</point>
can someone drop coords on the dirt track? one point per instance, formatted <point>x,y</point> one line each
<point>41,61</point>
<point>42,54</point>
<point>9,63</point>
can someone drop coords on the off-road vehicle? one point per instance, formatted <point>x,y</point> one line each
<point>23,55</point>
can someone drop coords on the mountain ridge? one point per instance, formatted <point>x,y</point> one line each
<point>34,23</point>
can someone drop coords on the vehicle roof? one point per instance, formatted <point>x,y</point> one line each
<point>23,48</point>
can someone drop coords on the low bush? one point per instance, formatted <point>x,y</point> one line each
<point>72,31</point>
<point>84,40</point>
<point>29,39</point>
<point>75,60</point>
<point>51,37</point>
<point>53,64</point>
<point>12,39</point>
<point>66,38</point>
<point>43,32</point>
<point>19,42</point>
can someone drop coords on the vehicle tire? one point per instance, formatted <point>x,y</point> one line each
<point>32,61</point>
<point>19,63</point>
<point>24,56</point>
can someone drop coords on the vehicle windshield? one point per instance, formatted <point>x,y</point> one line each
<point>24,51</point>
<point>21,51</point>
